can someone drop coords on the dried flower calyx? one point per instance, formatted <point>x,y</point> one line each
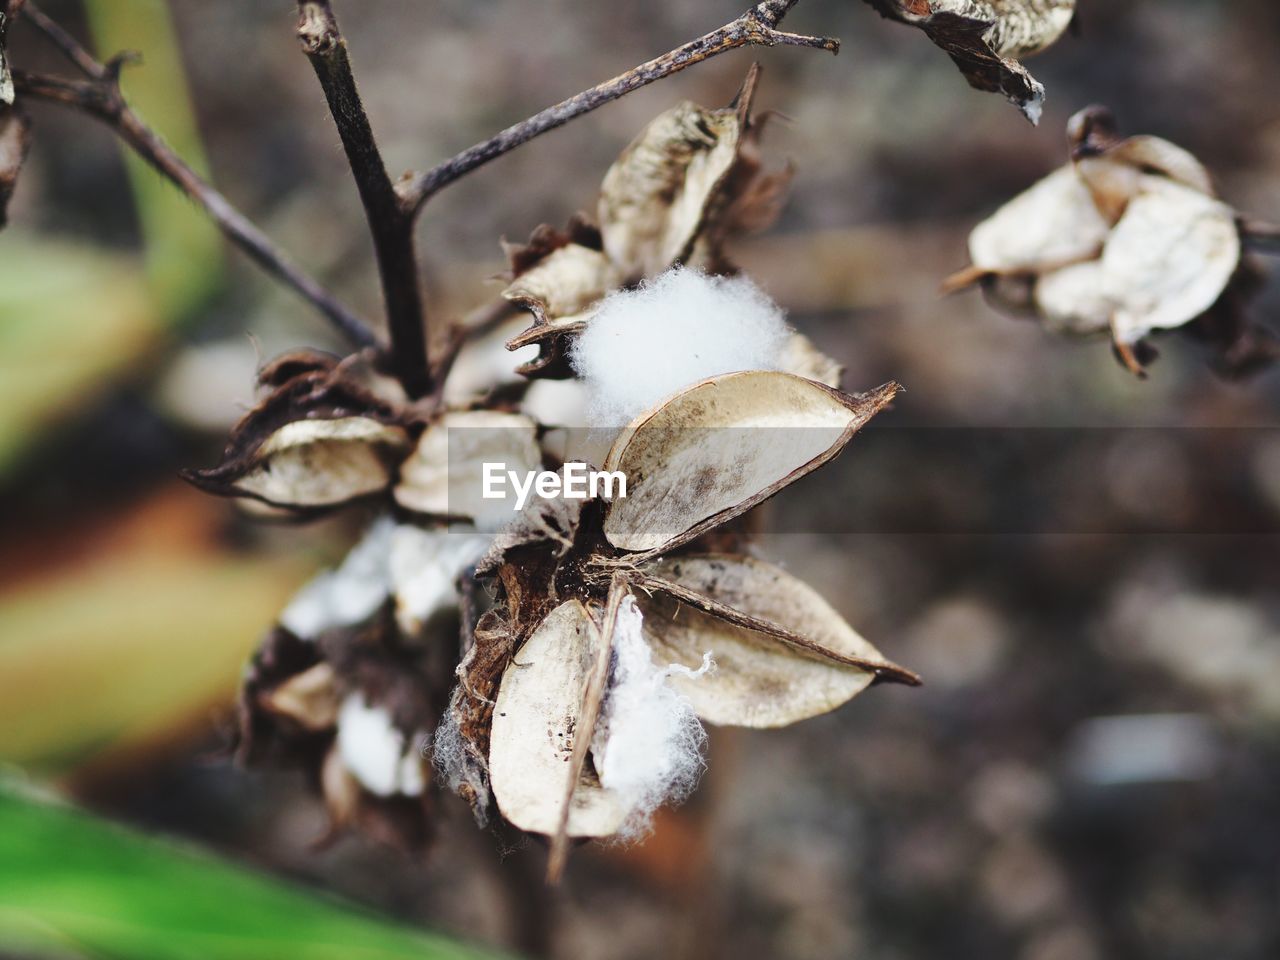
<point>1128,239</point>
<point>988,38</point>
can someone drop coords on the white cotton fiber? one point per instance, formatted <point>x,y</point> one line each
<point>683,326</point>
<point>424,569</point>
<point>648,742</point>
<point>346,596</point>
<point>381,757</point>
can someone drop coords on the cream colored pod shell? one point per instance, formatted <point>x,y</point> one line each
<point>1049,225</point>
<point>534,721</point>
<point>1169,259</point>
<point>758,680</point>
<point>719,447</point>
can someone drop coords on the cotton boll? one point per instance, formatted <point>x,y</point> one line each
<point>648,743</point>
<point>348,595</point>
<point>683,326</point>
<point>424,566</point>
<point>381,757</point>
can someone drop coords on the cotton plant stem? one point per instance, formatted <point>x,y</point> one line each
<point>758,26</point>
<point>390,221</point>
<point>99,96</point>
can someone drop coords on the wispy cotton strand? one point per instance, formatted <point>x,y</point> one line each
<point>648,744</point>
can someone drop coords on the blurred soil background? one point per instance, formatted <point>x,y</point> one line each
<point>1093,769</point>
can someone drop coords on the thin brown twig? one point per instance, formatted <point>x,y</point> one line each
<point>584,729</point>
<point>390,221</point>
<point>757,26</point>
<point>100,97</point>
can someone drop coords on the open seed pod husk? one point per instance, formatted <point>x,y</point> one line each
<point>6,75</point>
<point>692,178</point>
<point>317,440</point>
<point>987,38</point>
<point>781,653</point>
<point>443,477</point>
<point>1169,258</point>
<point>535,722</point>
<point>721,446</point>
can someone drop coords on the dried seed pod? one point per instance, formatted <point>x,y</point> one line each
<point>692,178</point>
<point>1129,238</point>
<point>654,198</point>
<point>803,359</point>
<point>721,446</point>
<point>317,440</point>
<point>1169,259</point>
<point>443,477</point>
<point>759,680</point>
<point>535,721</point>
<point>987,38</point>
<point>1053,224</point>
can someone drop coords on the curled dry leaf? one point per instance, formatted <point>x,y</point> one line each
<point>15,140</point>
<point>444,475</point>
<point>987,38</point>
<point>535,722</point>
<point>719,447</point>
<point>760,680</point>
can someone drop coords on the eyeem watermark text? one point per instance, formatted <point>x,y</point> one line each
<point>574,482</point>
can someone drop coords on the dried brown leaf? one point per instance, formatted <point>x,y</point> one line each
<point>987,38</point>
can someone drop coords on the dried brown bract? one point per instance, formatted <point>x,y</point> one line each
<point>988,38</point>
<point>1128,239</point>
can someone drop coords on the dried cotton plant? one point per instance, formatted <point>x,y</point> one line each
<point>555,668</point>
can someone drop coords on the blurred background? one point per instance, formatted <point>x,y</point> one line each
<point>1093,769</point>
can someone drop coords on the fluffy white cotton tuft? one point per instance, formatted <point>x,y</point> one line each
<point>648,742</point>
<point>424,569</point>
<point>680,327</point>
<point>381,757</point>
<point>346,596</point>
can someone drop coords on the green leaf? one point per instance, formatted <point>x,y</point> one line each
<point>183,248</point>
<point>74,885</point>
